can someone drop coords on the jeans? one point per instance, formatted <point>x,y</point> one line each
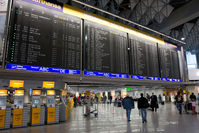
<point>128,113</point>
<point>143,114</point>
<point>179,107</point>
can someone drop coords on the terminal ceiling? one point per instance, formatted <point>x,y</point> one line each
<point>176,18</point>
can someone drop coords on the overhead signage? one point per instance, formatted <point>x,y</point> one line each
<point>48,84</point>
<point>36,92</point>
<point>102,74</point>
<point>16,83</point>
<point>50,92</point>
<point>137,77</point>
<point>19,92</point>
<point>51,5</point>
<point>42,69</point>
<point>128,89</point>
<point>3,92</point>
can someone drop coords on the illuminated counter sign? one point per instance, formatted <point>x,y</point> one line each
<point>16,83</point>
<point>48,84</point>
<point>42,69</point>
<point>50,92</point>
<point>36,92</point>
<point>3,92</point>
<point>51,5</point>
<point>19,92</point>
<point>90,73</point>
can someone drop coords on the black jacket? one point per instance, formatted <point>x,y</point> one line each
<point>193,97</point>
<point>143,103</point>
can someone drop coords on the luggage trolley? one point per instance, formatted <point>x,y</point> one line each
<point>90,107</point>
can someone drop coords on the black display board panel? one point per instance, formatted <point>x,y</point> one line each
<point>169,62</point>
<point>43,37</point>
<point>106,49</point>
<point>144,57</point>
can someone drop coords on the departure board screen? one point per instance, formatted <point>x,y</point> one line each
<point>106,49</point>
<point>41,36</point>
<point>144,57</point>
<point>169,63</point>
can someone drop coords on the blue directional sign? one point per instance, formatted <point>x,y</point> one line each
<point>42,69</point>
<point>102,74</point>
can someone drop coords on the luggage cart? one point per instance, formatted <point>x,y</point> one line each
<point>90,108</point>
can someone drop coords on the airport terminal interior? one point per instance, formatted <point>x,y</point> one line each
<point>99,66</point>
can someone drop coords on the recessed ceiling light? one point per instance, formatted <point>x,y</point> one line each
<point>182,38</point>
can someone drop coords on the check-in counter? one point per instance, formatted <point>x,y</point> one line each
<point>20,113</point>
<point>37,110</point>
<point>52,111</point>
<point>5,111</point>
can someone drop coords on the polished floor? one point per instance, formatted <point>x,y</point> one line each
<point>113,120</point>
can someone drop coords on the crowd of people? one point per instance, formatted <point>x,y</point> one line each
<point>188,103</point>
<point>143,104</point>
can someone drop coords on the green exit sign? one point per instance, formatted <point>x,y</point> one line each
<point>128,89</point>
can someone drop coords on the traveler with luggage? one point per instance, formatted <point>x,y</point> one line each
<point>179,101</point>
<point>142,106</point>
<point>128,104</point>
<point>154,102</point>
<point>193,102</point>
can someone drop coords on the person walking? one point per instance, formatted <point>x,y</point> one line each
<point>142,106</point>
<point>179,101</point>
<point>193,102</point>
<point>154,102</point>
<point>160,99</point>
<point>110,98</point>
<point>128,104</point>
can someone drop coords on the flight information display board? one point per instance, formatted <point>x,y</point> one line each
<point>40,36</point>
<point>144,57</point>
<point>106,49</point>
<point>169,62</point>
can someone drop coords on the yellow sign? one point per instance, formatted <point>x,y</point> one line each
<point>64,93</point>
<point>50,92</point>
<point>88,92</point>
<point>16,83</point>
<point>17,117</point>
<point>47,84</point>
<point>19,92</point>
<point>2,118</point>
<point>163,92</point>
<point>36,115</point>
<point>51,114</point>
<point>3,92</point>
<point>184,91</point>
<point>36,92</point>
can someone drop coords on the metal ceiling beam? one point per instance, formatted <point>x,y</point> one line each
<point>129,21</point>
<point>180,16</point>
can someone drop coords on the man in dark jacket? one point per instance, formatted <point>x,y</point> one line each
<point>128,104</point>
<point>142,106</point>
<point>154,102</point>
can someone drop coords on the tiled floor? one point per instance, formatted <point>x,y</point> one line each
<point>113,120</point>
